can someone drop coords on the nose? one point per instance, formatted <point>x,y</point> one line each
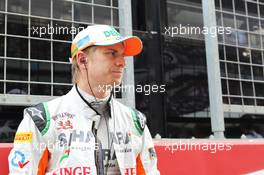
<point>120,61</point>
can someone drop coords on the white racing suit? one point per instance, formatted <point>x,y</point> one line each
<point>56,138</point>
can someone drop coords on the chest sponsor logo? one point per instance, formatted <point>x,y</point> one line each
<point>23,137</point>
<point>63,120</point>
<point>79,136</point>
<point>76,136</point>
<point>120,137</point>
<point>108,155</point>
<point>130,171</point>
<point>19,160</point>
<point>73,171</point>
<point>65,155</point>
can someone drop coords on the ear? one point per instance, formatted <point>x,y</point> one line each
<point>81,59</point>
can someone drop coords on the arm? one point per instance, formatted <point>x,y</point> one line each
<point>30,154</point>
<point>147,159</point>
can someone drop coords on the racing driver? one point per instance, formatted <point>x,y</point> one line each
<point>87,131</point>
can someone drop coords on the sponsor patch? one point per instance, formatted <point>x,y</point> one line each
<point>63,120</point>
<point>19,160</point>
<point>65,155</point>
<point>130,171</point>
<point>35,112</point>
<point>139,120</point>
<point>23,137</point>
<point>152,153</point>
<point>40,115</point>
<point>73,171</point>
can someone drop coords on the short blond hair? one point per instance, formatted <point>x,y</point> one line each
<point>75,67</point>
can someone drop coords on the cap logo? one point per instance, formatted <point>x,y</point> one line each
<point>111,33</point>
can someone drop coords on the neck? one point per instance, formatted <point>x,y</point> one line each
<point>96,91</point>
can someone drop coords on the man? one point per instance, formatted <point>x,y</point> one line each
<point>87,131</point>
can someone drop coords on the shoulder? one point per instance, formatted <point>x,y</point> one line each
<point>41,113</point>
<point>139,120</point>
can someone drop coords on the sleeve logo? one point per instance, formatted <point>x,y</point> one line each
<point>23,137</point>
<point>152,153</point>
<point>19,160</point>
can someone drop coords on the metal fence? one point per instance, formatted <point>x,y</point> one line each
<point>35,39</point>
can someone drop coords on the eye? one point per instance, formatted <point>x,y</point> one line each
<point>112,53</point>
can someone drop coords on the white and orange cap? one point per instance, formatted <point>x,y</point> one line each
<point>104,35</point>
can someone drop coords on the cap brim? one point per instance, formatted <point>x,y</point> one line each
<point>133,45</point>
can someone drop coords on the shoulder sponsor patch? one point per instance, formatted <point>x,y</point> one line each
<point>139,120</point>
<point>23,137</point>
<point>40,116</point>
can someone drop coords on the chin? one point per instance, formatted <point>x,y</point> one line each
<point>116,82</point>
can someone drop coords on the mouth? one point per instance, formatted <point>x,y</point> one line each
<point>117,72</point>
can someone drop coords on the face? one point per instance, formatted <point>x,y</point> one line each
<point>106,64</point>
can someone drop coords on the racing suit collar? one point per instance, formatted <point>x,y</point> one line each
<point>99,107</point>
<point>91,98</point>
